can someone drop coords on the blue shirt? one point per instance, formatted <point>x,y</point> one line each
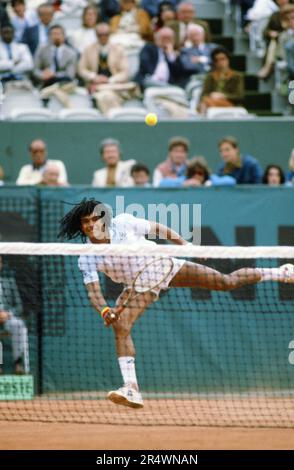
<point>250,171</point>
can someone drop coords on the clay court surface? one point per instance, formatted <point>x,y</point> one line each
<point>233,424</point>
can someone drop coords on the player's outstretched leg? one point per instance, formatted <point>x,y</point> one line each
<point>128,394</point>
<point>197,275</point>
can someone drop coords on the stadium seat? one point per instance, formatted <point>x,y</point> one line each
<point>228,113</point>
<point>32,114</point>
<point>80,99</point>
<point>174,93</point>
<point>21,99</point>
<point>80,114</point>
<point>127,114</point>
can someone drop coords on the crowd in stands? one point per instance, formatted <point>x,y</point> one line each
<point>40,50</point>
<point>178,170</point>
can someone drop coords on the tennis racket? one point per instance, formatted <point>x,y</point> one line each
<point>160,269</point>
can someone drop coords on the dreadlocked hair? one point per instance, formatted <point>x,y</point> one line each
<point>70,224</point>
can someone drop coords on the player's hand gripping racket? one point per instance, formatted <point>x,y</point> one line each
<point>152,276</point>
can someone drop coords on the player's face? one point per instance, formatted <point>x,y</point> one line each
<point>93,227</point>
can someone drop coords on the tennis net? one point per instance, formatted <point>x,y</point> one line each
<point>203,357</point>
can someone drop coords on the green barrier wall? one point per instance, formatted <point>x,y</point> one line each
<point>187,341</point>
<point>77,143</point>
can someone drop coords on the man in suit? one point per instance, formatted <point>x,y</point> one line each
<point>55,66</point>
<point>15,61</point>
<point>186,14</point>
<point>116,172</point>
<point>38,35</point>
<point>104,68</point>
<point>159,65</point>
<point>197,58</point>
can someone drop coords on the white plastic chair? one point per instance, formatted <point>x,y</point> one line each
<point>127,114</point>
<point>21,99</point>
<point>80,115</point>
<point>228,113</point>
<point>31,115</point>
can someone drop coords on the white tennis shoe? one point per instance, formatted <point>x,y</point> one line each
<point>126,396</point>
<point>287,273</point>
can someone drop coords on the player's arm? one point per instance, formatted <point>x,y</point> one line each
<point>166,233</point>
<point>99,303</point>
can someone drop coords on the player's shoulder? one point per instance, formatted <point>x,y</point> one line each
<point>124,218</point>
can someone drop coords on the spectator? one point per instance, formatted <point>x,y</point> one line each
<point>197,174</point>
<point>176,163</point>
<point>159,64</point>
<point>108,9</point>
<point>15,61</point>
<point>86,35</point>
<point>196,59</point>
<point>244,168</point>
<point>141,174</point>
<point>1,176</point>
<point>273,176</point>
<point>186,14</point>
<point>290,174</point>
<point>38,35</point>
<point>55,67</point>
<point>271,34</point>
<point>131,26</point>
<point>166,14</point>
<point>21,17</point>
<point>117,173</point>
<point>223,87</point>
<point>51,175</point>
<point>32,173</point>
<point>286,40</point>
<point>104,67</point>
<point>153,7</point>
<point>10,322</point>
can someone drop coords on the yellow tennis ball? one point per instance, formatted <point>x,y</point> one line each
<point>151,119</point>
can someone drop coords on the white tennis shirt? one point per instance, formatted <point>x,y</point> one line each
<point>125,229</point>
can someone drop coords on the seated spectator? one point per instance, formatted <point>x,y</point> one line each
<point>15,61</point>
<point>166,13</point>
<point>86,35</point>
<point>131,26</point>
<point>258,17</point>
<point>271,34</point>
<point>116,173</point>
<point>197,174</point>
<point>176,163</point>
<point>153,7</point>
<point>244,168</point>
<point>159,64</point>
<point>38,35</point>
<point>273,176</point>
<point>10,322</point>
<point>141,174</point>
<point>55,67</point>
<point>21,17</point>
<point>186,14</point>
<point>51,175</point>
<point>285,49</point>
<point>223,87</point>
<point>32,173</point>
<point>104,68</point>
<point>290,174</point>
<point>1,176</point>
<point>108,9</point>
<point>196,59</point>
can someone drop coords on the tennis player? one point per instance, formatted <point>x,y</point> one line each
<point>92,220</point>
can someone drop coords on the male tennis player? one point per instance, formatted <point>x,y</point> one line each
<point>92,220</point>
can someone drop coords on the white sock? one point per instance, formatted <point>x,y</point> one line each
<point>128,370</point>
<point>270,274</point>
